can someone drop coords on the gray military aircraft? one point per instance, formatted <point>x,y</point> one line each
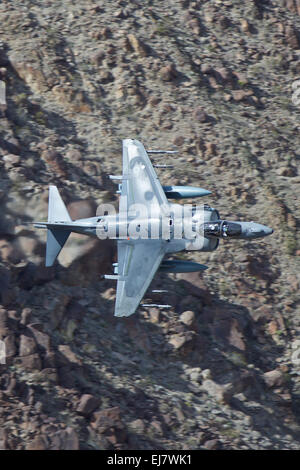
<point>147,227</point>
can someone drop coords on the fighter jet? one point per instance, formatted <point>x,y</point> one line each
<point>148,227</point>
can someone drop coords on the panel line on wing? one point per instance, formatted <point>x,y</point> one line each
<point>129,253</point>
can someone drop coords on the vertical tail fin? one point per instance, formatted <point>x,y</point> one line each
<point>56,237</point>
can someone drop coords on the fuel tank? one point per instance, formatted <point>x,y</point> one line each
<point>181,266</point>
<point>183,192</point>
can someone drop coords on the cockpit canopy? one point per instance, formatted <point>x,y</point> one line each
<point>221,228</point>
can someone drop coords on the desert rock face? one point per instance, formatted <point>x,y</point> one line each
<point>218,81</point>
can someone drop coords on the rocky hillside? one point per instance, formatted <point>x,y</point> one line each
<point>216,79</point>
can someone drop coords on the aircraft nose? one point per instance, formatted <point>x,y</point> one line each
<point>259,230</point>
<point>254,230</point>
<point>268,230</point>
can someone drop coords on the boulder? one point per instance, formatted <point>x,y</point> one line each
<point>27,345</point>
<point>221,393</point>
<point>274,378</point>
<point>87,404</point>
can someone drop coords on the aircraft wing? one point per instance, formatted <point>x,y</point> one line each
<point>138,261</point>
<point>140,183</point>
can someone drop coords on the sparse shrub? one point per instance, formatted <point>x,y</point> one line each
<point>40,118</point>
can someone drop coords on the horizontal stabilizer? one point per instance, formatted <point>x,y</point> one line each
<point>57,211</point>
<point>55,241</point>
<point>56,237</point>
